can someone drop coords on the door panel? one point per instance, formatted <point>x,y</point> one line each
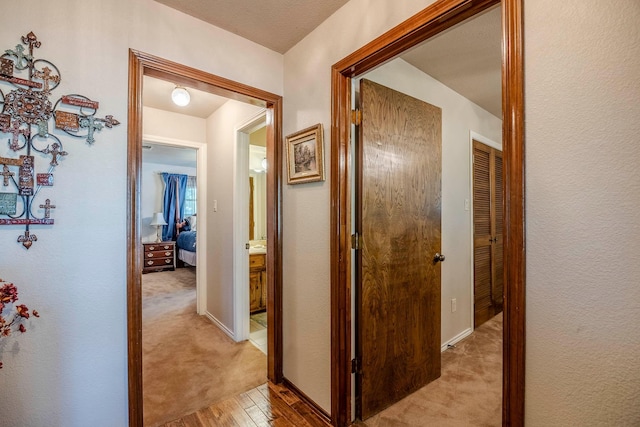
<point>487,232</point>
<point>398,215</point>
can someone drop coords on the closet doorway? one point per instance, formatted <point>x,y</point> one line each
<point>488,221</point>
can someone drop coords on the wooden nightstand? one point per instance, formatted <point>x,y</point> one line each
<point>158,257</point>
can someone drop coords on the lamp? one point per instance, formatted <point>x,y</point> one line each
<point>157,221</point>
<point>180,96</point>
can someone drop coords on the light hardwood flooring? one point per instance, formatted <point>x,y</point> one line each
<point>265,405</point>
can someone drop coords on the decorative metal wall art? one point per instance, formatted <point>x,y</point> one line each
<point>26,112</point>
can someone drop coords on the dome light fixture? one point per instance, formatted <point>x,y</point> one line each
<point>180,96</point>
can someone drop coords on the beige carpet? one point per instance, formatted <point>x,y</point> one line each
<point>188,362</point>
<point>469,392</point>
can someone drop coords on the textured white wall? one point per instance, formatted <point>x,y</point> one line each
<point>221,140</point>
<point>583,228</point>
<point>459,117</point>
<point>306,208</point>
<point>70,368</point>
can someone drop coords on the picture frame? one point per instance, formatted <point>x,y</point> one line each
<point>305,156</point>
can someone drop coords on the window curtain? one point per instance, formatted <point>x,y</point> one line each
<point>175,186</point>
<point>190,197</point>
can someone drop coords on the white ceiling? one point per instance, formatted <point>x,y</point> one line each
<point>466,58</point>
<point>156,93</point>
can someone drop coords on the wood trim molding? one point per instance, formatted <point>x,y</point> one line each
<point>134,263</point>
<point>141,64</point>
<point>436,18</point>
<point>513,377</point>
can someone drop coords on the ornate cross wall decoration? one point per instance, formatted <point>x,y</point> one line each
<point>26,113</point>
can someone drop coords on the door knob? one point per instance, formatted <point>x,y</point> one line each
<point>438,258</point>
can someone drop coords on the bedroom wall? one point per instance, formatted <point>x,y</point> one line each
<point>70,368</point>
<point>221,134</point>
<point>459,117</point>
<point>152,194</point>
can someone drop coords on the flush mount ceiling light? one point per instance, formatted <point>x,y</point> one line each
<point>180,96</point>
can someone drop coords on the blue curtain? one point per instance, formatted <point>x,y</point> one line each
<point>175,186</point>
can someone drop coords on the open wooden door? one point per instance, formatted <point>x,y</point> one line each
<point>398,205</point>
<point>487,233</point>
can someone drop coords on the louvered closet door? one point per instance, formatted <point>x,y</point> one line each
<point>487,228</point>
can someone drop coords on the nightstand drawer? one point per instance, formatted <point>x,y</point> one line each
<point>158,247</point>
<point>158,254</point>
<point>157,262</point>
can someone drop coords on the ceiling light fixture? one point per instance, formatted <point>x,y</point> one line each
<point>180,96</point>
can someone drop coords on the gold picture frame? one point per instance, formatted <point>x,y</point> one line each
<point>305,157</point>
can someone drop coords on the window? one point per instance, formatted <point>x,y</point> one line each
<point>190,197</point>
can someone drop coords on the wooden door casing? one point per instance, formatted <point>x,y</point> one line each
<point>487,232</point>
<point>399,218</point>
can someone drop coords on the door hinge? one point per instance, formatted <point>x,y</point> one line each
<point>356,241</point>
<point>355,366</point>
<point>356,117</point>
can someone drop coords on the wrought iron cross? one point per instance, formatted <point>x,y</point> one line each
<point>46,76</point>
<point>92,125</point>
<point>26,85</point>
<point>16,131</point>
<point>6,175</point>
<point>47,208</point>
<point>22,59</point>
<point>55,152</point>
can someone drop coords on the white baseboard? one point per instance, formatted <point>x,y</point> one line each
<point>220,325</point>
<point>462,335</point>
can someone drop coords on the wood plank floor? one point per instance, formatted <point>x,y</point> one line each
<point>265,405</point>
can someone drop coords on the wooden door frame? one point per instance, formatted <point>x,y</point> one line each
<point>437,17</point>
<point>141,64</point>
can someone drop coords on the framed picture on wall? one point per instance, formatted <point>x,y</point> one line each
<point>305,159</point>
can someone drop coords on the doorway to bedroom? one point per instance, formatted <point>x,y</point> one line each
<point>238,364</point>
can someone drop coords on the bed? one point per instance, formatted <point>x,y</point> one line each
<point>186,241</point>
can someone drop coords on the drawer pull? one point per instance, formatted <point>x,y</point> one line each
<point>167,253</point>
<point>152,248</point>
<point>166,246</point>
<point>149,255</point>
<point>167,261</point>
<point>150,263</point>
